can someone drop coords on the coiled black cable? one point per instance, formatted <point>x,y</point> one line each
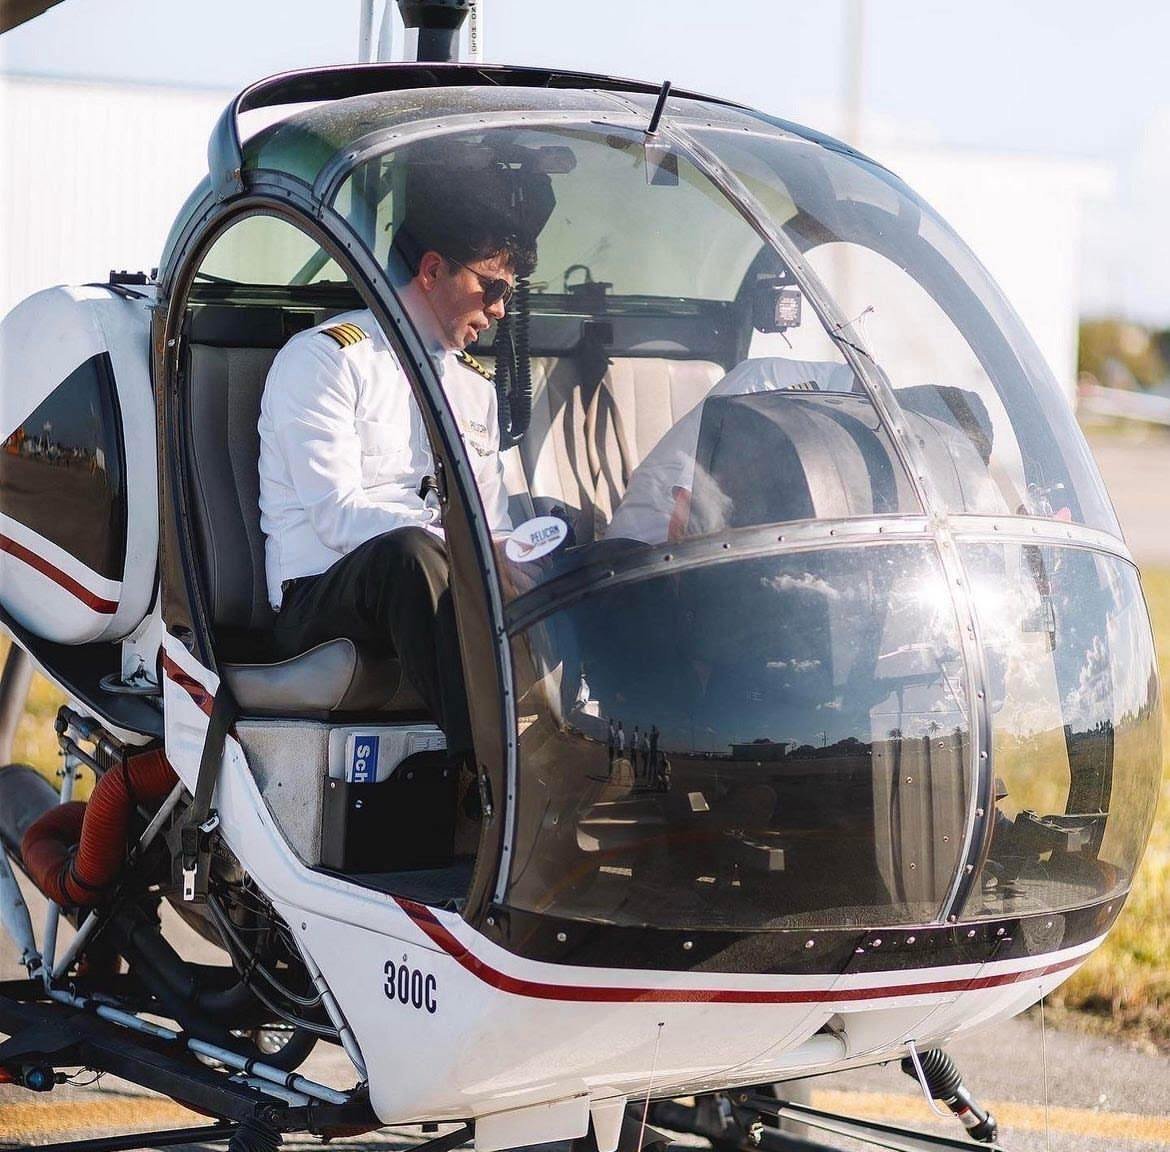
<point>520,407</point>
<point>504,350</point>
<point>512,348</point>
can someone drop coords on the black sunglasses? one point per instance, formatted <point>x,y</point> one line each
<point>493,288</point>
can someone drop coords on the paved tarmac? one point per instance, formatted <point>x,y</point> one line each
<point>1052,1090</point>
<point>1135,463</point>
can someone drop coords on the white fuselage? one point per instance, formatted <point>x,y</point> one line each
<point>452,1026</point>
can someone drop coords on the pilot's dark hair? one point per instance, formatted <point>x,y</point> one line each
<point>470,202</point>
<point>462,237</point>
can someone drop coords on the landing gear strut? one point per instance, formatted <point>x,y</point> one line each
<point>940,1080</point>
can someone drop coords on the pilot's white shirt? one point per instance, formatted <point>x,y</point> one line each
<point>343,447</point>
<point>645,510</point>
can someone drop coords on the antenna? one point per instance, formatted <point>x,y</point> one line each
<point>657,114</point>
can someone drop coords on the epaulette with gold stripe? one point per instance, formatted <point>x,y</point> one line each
<point>476,366</point>
<point>344,334</point>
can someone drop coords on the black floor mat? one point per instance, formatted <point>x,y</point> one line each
<point>439,887</point>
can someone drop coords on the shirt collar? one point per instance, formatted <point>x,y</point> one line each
<point>423,316</point>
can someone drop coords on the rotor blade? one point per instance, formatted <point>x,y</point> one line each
<point>14,12</point>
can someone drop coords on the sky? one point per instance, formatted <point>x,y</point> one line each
<point>1064,78</point>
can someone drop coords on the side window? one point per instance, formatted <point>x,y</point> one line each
<point>954,407</point>
<point>268,250</point>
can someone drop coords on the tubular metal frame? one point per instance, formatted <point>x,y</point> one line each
<point>15,682</point>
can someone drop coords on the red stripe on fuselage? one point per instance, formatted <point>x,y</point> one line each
<point>425,919</point>
<point>189,684</point>
<point>92,601</point>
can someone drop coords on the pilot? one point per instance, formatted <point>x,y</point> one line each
<point>354,546</point>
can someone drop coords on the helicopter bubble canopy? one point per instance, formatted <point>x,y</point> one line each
<point>752,692</point>
<point>809,611</point>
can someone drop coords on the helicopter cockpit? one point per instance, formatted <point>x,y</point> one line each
<point>814,614</point>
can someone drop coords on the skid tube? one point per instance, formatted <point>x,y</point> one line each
<point>203,1134</point>
<point>215,1134</point>
<point>893,1137</point>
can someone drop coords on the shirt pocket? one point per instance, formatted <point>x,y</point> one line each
<point>384,451</point>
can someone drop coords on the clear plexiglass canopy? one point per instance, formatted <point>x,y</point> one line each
<point>834,625</point>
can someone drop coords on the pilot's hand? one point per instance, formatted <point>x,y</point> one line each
<point>680,516</point>
<point>515,578</point>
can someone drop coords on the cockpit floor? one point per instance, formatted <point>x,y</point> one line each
<point>438,887</point>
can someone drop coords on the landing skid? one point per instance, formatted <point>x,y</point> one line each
<point>213,1134</point>
<point>204,1134</point>
<point>737,1121</point>
<point>889,1136</point>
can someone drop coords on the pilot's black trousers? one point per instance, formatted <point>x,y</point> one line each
<point>390,593</point>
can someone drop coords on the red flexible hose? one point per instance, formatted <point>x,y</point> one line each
<point>99,831</point>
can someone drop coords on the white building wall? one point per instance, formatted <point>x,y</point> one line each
<point>1023,217</point>
<point>92,175</point>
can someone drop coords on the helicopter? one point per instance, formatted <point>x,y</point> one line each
<point>813,694</point>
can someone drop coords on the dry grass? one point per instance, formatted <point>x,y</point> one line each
<point>36,740</point>
<point>1124,988</point>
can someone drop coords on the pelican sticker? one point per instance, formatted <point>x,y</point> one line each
<point>535,538</point>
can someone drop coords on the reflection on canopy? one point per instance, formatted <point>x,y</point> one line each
<point>1074,696</point>
<point>729,722</point>
<point>809,757</point>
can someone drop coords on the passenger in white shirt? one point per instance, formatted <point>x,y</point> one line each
<point>656,503</point>
<point>354,546</point>
<point>951,425</point>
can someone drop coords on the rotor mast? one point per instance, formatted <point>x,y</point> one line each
<point>438,23</point>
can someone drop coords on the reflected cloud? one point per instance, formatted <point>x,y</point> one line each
<point>1092,698</point>
<point>806,582</point>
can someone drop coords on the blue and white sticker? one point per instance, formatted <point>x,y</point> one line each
<point>536,538</point>
<point>363,762</point>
